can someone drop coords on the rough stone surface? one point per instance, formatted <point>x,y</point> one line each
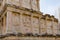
<point>17,16</point>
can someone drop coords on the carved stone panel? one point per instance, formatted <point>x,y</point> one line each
<point>16,22</point>
<point>26,24</point>
<point>42,26</point>
<point>49,27</point>
<point>13,22</point>
<point>55,25</point>
<point>55,28</point>
<point>35,25</point>
<point>9,28</point>
<point>42,23</point>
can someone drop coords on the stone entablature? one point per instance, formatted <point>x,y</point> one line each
<point>21,21</point>
<point>33,20</point>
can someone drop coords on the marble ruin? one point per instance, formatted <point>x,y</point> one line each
<point>22,20</point>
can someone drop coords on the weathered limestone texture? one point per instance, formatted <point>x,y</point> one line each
<point>49,24</point>
<point>30,4</point>
<point>42,26</point>
<point>31,38</point>
<point>22,20</point>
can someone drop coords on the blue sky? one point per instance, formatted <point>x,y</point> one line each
<point>49,6</point>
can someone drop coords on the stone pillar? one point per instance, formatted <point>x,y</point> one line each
<point>42,26</point>
<point>52,17</point>
<point>55,27</point>
<point>48,24</point>
<point>4,24</point>
<point>1,26</point>
<point>9,27</point>
<point>35,23</point>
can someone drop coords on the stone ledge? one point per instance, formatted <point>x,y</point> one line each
<point>26,35</point>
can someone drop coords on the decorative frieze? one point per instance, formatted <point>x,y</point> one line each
<point>23,18</point>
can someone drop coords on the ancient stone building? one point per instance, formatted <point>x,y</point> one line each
<point>22,20</point>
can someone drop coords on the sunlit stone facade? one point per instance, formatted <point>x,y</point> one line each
<point>22,20</point>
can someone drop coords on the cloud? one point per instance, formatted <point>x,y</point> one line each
<point>49,6</point>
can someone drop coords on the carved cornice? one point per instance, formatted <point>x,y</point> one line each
<point>27,35</point>
<point>43,17</point>
<point>22,8</point>
<point>55,20</point>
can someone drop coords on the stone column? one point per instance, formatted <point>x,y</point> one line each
<point>48,24</point>
<point>42,26</point>
<point>9,27</point>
